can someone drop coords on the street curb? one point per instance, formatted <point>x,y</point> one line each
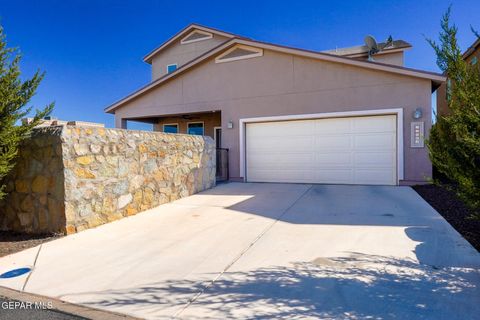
<point>63,306</point>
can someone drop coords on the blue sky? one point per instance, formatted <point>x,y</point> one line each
<point>92,50</point>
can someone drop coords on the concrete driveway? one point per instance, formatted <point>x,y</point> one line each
<point>262,251</point>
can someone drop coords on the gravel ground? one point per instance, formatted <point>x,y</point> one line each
<point>11,242</point>
<point>453,210</point>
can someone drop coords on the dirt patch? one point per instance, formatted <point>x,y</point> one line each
<point>11,242</point>
<point>453,210</point>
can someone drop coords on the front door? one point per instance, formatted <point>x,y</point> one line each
<point>218,137</point>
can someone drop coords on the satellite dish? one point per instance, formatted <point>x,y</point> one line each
<point>372,46</point>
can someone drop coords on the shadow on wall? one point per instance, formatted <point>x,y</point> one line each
<point>357,287</point>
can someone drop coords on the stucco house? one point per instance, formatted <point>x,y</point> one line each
<point>288,114</point>
<point>471,56</point>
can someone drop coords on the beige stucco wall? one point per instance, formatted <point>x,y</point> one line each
<point>283,84</point>
<point>181,53</point>
<point>395,58</point>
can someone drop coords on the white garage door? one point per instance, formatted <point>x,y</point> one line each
<point>356,150</point>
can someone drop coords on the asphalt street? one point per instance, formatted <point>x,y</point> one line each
<point>8,311</point>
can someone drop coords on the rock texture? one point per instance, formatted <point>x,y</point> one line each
<point>36,189</point>
<point>72,178</point>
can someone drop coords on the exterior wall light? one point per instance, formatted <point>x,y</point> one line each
<point>230,124</point>
<point>417,114</point>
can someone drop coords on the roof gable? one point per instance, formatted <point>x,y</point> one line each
<point>238,52</point>
<point>196,35</point>
<point>190,33</point>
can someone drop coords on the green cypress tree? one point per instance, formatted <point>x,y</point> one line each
<point>14,96</point>
<point>454,143</point>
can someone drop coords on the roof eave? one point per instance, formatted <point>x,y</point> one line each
<point>432,76</point>
<point>471,49</point>
<point>183,68</point>
<point>385,51</point>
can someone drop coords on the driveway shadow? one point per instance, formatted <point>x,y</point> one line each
<point>330,204</point>
<point>354,205</point>
<point>440,284</point>
<point>356,287</point>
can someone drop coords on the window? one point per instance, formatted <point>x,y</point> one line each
<point>239,52</point>
<point>195,128</point>
<point>196,35</point>
<point>171,68</point>
<point>170,128</point>
<point>474,61</point>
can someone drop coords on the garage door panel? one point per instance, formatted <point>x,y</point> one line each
<point>293,175</point>
<point>341,175</point>
<point>374,124</point>
<point>272,160</point>
<point>281,144</point>
<point>375,176</point>
<point>294,128</point>
<point>333,158</point>
<point>332,126</point>
<point>336,142</point>
<point>357,150</point>
<point>374,159</point>
<point>378,141</point>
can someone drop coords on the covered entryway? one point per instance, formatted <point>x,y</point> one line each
<point>349,150</point>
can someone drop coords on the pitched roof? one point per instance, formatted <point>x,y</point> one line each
<point>396,45</point>
<point>471,49</point>
<point>436,78</point>
<point>184,31</point>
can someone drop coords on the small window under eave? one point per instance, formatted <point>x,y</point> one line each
<point>196,35</point>
<point>239,52</point>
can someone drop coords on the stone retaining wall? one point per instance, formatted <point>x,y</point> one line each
<point>72,178</point>
<point>35,200</point>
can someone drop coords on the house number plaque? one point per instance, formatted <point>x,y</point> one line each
<point>417,135</point>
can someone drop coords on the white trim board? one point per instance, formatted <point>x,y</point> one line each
<point>208,35</point>
<point>255,52</point>
<point>396,111</point>
<point>215,132</point>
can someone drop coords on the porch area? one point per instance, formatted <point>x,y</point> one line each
<point>207,123</point>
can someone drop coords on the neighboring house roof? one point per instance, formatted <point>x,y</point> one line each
<point>471,49</point>
<point>396,45</point>
<point>436,78</point>
<point>184,31</point>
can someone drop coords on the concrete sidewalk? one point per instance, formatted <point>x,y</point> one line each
<point>266,251</point>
